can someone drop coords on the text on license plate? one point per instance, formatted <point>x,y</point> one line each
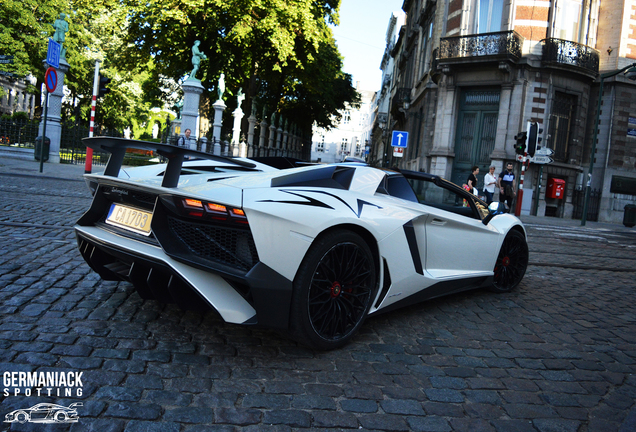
<point>129,218</point>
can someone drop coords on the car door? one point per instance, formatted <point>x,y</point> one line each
<point>458,244</point>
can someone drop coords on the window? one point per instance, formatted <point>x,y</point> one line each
<point>320,147</point>
<point>446,196</point>
<point>426,41</point>
<point>346,117</point>
<point>489,14</point>
<point>343,145</point>
<point>568,20</point>
<point>563,106</point>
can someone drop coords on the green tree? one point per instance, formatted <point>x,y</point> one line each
<point>280,51</point>
<point>96,31</point>
<point>24,30</point>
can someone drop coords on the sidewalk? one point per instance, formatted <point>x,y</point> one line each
<point>23,167</point>
<point>19,166</point>
<point>574,224</point>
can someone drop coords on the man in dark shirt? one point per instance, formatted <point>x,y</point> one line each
<point>506,184</point>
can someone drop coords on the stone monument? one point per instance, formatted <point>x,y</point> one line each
<point>54,110</point>
<point>192,90</point>
<point>219,106</point>
<point>251,121</point>
<point>238,117</point>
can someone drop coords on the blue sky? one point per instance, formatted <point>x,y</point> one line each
<point>361,38</point>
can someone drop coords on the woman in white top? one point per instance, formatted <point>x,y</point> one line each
<point>490,181</point>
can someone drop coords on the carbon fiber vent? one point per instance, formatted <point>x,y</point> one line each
<point>226,245</point>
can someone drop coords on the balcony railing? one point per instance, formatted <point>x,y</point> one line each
<point>567,53</point>
<point>398,100</point>
<point>500,44</point>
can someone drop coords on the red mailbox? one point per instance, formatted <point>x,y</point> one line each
<point>556,188</point>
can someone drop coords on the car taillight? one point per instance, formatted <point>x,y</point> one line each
<point>209,210</point>
<point>238,215</point>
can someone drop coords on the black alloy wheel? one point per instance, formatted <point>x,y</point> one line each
<point>511,263</point>
<point>333,290</point>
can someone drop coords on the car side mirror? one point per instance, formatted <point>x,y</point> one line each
<point>494,209</point>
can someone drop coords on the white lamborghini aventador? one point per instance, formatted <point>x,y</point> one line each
<point>312,251</point>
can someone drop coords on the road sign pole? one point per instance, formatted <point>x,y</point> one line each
<point>88,165</point>
<point>520,193</point>
<point>46,111</point>
<point>537,191</point>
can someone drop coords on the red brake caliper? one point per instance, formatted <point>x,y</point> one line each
<point>336,289</point>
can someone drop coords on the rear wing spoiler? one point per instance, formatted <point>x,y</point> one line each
<point>175,155</point>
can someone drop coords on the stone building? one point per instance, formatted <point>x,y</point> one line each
<point>382,99</point>
<point>349,138</point>
<point>469,75</point>
<point>16,97</point>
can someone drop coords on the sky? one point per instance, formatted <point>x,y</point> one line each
<point>361,38</point>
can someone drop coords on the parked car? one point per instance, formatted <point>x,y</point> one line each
<point>312,251</point>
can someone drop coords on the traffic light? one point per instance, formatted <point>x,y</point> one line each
<point>103,86</point>
<point>520,145</point>
<point>534,138</point>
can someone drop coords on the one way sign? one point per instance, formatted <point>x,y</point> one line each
<point>399,139</point>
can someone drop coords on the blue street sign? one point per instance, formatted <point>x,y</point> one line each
<point>53,54</point>
<point>399,139</point>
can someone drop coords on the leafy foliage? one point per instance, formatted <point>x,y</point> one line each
<point>280,52</point>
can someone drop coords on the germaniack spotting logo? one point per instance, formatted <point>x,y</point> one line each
<point>45,413</point>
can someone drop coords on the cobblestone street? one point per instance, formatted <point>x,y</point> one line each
<point>558,354</point>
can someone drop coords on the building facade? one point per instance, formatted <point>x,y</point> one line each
<point>16,97</point>
<point>380,148</point>
<point>470,74</point>
<point>350,138</point>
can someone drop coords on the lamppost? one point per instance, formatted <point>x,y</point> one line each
<point>631,74</point>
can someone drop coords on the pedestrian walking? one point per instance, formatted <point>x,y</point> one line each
<point>506,183</point>
<point>490,181</point>
<point>472,180</point>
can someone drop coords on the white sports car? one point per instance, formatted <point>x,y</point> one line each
<point>311,251</point>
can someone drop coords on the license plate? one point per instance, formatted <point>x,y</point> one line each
<point>129,218</point>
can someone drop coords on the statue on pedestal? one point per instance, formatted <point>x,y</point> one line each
<point>220,88</point>
<point>196,58</point>
<point>254,107</point>
<point>240,97</point>
<point>179,107</point>
<point>61,28</point>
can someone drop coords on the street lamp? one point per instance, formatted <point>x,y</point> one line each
<point>630,74</point>
<point>406,102</point>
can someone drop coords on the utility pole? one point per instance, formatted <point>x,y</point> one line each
<point>88,166</point>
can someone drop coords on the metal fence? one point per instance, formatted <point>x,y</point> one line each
<point>23,133</point>
<point>593,204</point>
<point>225,148</point>
<point>73,151</point>
<point>18,132</point>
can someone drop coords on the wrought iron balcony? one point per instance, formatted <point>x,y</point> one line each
<point>398,100</point>
<point>568,54</point>
<point>500,45</point>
